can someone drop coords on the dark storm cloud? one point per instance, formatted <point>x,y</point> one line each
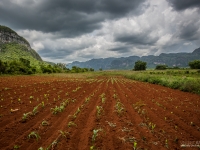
<point>58,54</point>
<point>120,49</point>
<point>136,39</point>
<point>68,18</point>
<point>189,32</point>
<point>184,4</point>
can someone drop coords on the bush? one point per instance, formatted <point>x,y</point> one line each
<point>161,67</point>
<point>2,67</point>
<point>140,65</point>
<point>194,64</point>
<point>175,84</point>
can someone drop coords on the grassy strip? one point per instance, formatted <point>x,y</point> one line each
<point>183,83</point>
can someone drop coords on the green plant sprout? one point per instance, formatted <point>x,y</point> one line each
<point>55,110</point>
<point>166,143</point>
<point>59,109</point>
<point>45,123</point>
<point>134,145</point>
<point>26,116</point>
<point>35,110</point>
<point>63,133</point>
<point>114,96</point>
<point>95,134</point>
<point>16,147</point>
<point>71,123</point>
<point>99,110</point>
<point>152,126</point>
<point>34,134</point>
<point>52,145</point>
<point>75,114</point>
<point>111,124</point>
<point>67,102</point>
<point>103,99</point>
<point>41,148</point>
<point>102,95</point>
<point>78,111</point>
<point>119,108</point>
<point>138,105</point>
<point>42,103</point>
<point>87,99</point>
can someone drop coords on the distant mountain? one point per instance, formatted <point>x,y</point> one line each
<point>171,59</point>
<point>14,47</point>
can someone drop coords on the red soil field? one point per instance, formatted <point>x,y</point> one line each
<point>104,113</point>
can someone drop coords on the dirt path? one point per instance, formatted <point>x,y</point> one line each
<point>101,113</point>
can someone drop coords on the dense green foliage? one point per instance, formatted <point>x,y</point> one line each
<point>78,69</point>
<point>17,67</point>
<point>161,67</point>
<point>194,64</point>
<point>15,51</point>
<point>23,66</point>
<point>140,65</point>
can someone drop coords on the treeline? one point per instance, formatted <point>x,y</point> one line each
<point>23,66</point>
<point>193,65</point>
<point>140,65</point>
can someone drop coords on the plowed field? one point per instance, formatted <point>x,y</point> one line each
<point>38,112</point>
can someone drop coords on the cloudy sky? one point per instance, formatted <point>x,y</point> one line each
<point>79,30</point>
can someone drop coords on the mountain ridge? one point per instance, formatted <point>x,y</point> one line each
<point>170,59</point>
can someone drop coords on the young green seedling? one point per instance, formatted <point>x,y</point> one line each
<point>114,96</point>
<point>71,123</point>
<point>25,116</point>
<point>35,110</point>
<point>87,99</point>
<point>111,124</point>
<point>55,110</point>
<point>45,123</point>
<point>34,134</point>
<point>63,133</point>
<point>152,126</point>
<point>99,110</point>
<point>95,134</point>
<point>16,147</point>
<point>134,145</point>
<point>119,108</point>
<point>166,143</point>
<point>103,99</point>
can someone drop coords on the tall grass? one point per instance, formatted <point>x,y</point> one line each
<point>175,80</point>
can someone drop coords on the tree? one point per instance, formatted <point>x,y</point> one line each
<point>2,67</point>
<point>140,65</point>
<point>194,64</point>
<point>91,69</point>
<point>161,67</point>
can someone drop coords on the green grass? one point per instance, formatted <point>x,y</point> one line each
<point>184,80</point>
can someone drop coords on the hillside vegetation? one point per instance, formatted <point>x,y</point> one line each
<point>15,51</point>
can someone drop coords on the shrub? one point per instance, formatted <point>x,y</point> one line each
<point>140,65</point>
<point>194,64</point>
<point>161,67</point>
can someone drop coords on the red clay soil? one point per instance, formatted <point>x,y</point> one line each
<point>102,113</point>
